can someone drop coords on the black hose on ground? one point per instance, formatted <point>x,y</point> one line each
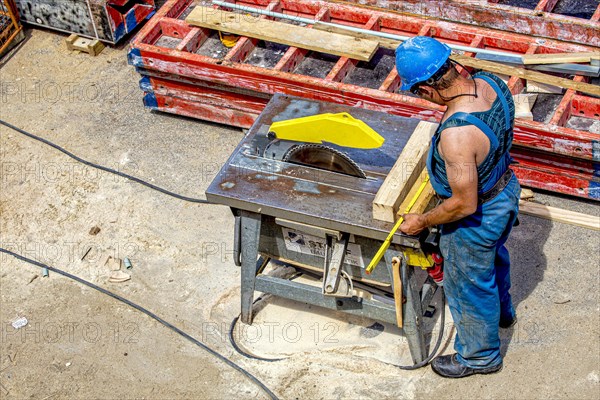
<point>103,168</point>
<point>115,296</point>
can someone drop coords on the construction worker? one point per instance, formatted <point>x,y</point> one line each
<point>468,165</point>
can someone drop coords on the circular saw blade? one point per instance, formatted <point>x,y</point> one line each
<point>323,157</point>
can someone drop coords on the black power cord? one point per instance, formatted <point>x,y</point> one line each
<point>239,349</point>
<point>437,343</point>
<point>233,365</point>
<point>102,168</point>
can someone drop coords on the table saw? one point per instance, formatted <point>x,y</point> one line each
<point>310,206</point>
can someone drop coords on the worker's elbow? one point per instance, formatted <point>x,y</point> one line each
<point>465,207</point>
<point>468,207</point>
<point>461,206</point>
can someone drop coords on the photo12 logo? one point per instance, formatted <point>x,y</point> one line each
<point>281,332</point>
<point>71,332</point>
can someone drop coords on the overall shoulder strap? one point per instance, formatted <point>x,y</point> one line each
<point>473,120</point>
<point>501,96</point>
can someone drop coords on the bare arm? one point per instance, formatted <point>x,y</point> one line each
<point>459,148</point>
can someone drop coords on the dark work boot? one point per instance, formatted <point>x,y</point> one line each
<point>449,367</point>
<point>507,323</point>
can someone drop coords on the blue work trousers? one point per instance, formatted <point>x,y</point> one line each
<point>477,276</point>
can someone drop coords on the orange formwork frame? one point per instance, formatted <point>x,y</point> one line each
<point>9,24</point>
<point>229,89</point>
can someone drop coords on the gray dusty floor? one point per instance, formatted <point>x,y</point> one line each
<point>82,344</point>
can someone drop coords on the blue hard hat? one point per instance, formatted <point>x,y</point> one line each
<point>418,58</point>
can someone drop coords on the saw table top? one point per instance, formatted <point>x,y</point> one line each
<point>251,182</point>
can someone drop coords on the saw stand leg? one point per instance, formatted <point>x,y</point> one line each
<point>248,242</point>
<point>412,310</point>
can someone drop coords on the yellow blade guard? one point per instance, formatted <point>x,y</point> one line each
<point>341,129</point>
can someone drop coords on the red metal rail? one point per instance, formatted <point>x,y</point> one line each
<point>167,51</point>
<point>540,21</point>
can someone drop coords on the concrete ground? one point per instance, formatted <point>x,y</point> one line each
<point>82,344</point>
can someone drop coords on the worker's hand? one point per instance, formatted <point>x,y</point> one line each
<point>412,224</point>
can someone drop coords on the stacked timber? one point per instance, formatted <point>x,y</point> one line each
<point>188,70</point>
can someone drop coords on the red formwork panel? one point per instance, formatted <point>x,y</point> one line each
<point>555,174</point>
<point>195,109</point>
<point>180,61</point>
<point>540,21</point>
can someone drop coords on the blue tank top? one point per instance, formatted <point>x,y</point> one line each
<point>496,123</point>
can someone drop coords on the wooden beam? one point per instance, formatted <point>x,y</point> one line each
<point>383,42</point>
<point>526,74</point>
<point>404,173</point>
<point>560,215</point>
<point>280,32</point>
<point>559,58</point>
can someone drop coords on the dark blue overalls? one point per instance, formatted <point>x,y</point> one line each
<point>476,262</point>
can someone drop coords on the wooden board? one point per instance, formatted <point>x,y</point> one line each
<point>397,287</point>
<point>559,215</point>
<point>404,173</point>
<point>383,42</point>
<point>280,32</point>
<point>559,58</point>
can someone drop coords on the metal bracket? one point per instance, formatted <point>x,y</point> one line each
<point>335,251</point>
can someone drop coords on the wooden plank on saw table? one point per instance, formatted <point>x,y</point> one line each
<point>559,58</point>
<point>559,215</point>
<point>280,32</point>
<point>404,173</point>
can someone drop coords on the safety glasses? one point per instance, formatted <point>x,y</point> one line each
<point>416,89</point>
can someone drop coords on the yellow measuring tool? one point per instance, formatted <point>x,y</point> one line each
<point>386,244</point>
